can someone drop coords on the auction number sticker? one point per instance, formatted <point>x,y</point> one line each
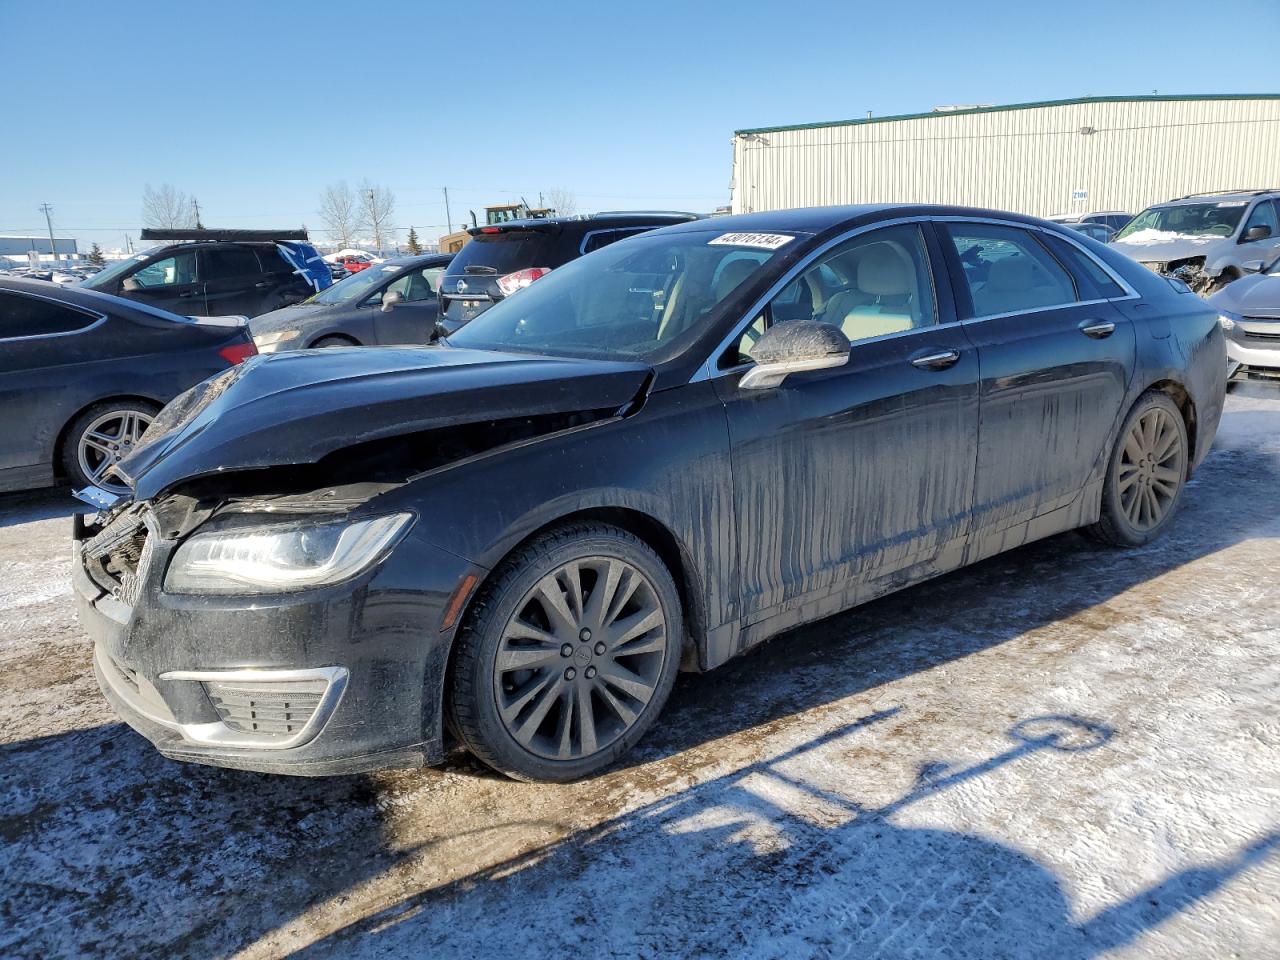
<point>766,241</point>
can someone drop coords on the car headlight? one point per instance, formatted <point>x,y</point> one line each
<point>1228,320</point>
<point>283,557</point>
<point>266,342</point>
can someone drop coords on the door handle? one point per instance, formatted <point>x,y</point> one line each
<point>936,361</point>
<point>1098,329</point>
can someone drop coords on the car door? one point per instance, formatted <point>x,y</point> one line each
<point>413,319</point>
<point>1056,358</point>
<point>170,283</point>
<point>843,476</point>
<point>37,337</point>
<point>234,283</point>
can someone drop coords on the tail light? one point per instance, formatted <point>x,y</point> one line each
<point>238,352</point>
<point>520,279</point>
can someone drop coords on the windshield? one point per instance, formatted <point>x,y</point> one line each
<point>107,276</point>
<point>1206,220</point>
<point>356,287</point>
<point>625,301</point>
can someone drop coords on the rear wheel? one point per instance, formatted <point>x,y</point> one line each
<point>567,656</point>
<point>1146,473</point>
<point>335,341</point>
<point>100,438</point>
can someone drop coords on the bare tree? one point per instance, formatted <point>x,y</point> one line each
<point>340,213</point>
<point>561,201</point>
<point>376,206</point>
<point>166,208</point>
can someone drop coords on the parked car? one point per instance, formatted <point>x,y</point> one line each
<point>1114,219</point>
<point>218,272</point>
<point>1249,310</point>
<point>503,258</point>
<point>1098,231</point>
<point>395,302</point>
<point>657,456</point>
<point>82,375</point>
<point>1205,239</point>
<point>356,262</point>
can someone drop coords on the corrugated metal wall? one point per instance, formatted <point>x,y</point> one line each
<point>1028,160</point>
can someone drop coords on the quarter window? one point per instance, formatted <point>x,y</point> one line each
<point>179,268</point>
<point>1008,270</point>
<point>876,284</point>
<point>32,317</point>
<point>1092,281</point>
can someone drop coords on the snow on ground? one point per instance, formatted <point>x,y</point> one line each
<point>1063,752</point>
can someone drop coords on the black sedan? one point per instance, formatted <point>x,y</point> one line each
<point>82,375</point>
<point>654,458</point>
<point>389,303</point>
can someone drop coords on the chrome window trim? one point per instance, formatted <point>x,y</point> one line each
<point>75,308</point>
<point>708,370</point>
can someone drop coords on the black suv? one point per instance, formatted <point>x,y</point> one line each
<point>214,273</point>
<point>501,258</point>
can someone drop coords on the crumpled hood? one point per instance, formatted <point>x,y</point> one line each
<point>1162,251</point>
<point>298,406</point>
<point>1255,296</point>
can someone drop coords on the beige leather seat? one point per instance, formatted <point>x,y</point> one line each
<point>882,301</point>
<point>733,274</point>
<point>1017,283</point>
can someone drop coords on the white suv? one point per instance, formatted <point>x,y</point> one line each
<point>1206,239</point>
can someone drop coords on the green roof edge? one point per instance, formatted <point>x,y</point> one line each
<point>1009,106</point>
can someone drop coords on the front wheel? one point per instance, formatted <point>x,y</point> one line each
<point>567,656</point>
<point>1146,473</point>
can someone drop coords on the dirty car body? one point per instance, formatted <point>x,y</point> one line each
<point>623,391</point>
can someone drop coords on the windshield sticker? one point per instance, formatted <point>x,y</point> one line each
<point>766,241</point>
<point>1233,203</point>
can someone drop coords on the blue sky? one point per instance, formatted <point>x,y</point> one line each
<point>256,107</point>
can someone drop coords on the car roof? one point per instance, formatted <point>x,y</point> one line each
<point>72,294</point>
<point>821,219</point>
<point>620,218</point>
<point>1219,196</point>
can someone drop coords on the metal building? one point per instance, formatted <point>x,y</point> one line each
<point>1055,157</point>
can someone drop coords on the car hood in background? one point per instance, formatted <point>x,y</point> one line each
<point>287,318</point>
<point>1164,250</point>
<point>296,407</point>
<point>1254,296</point>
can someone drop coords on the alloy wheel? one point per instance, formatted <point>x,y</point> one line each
<point>1152,465</point>
<point>580,658</point>
<point>106,441</point>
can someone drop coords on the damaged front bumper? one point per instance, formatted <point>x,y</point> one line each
<point>337,679</point>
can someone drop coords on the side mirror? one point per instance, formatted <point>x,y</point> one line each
<point>390,299</point>
<point>1252,266</point>
<point>130,285</point>
<point>793,347</point>
<point>1260,232</point>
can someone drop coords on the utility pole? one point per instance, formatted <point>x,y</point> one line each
<point>53,247</point>
<point>447,216</point>
<point>195,205</point>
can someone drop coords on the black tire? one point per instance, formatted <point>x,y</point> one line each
<point>333,340</point>
<point>1124,521</point>
<point>69,452</point>
<point>477,684</point>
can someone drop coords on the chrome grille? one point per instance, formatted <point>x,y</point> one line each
<point>278,709</point>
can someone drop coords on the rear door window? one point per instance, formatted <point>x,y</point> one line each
<point>22,316</point>
<point>1008,270</point>
<point>227,262</point>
